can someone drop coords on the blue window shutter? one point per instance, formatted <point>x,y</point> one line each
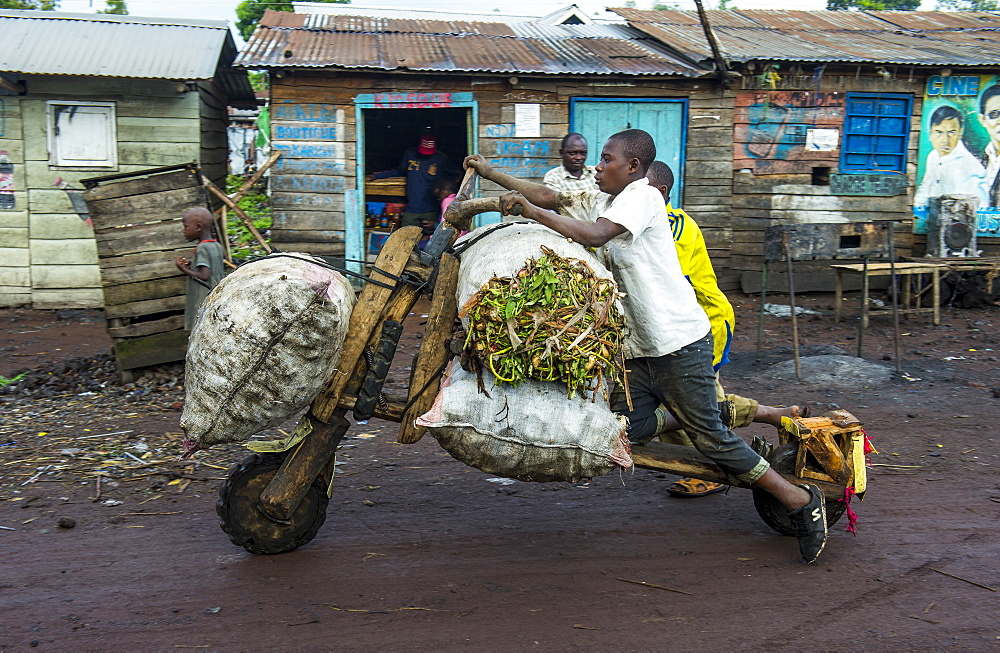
<point>876,132</point>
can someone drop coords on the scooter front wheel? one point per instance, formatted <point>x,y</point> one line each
<point>248,527</point>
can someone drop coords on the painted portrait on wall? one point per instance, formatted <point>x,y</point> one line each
<point>959,147</point>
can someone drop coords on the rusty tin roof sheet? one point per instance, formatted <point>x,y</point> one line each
<point>289,40</point>
<point>897,37</point>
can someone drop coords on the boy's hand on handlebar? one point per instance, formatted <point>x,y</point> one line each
<point>478,163</point>
<point>514,203</point>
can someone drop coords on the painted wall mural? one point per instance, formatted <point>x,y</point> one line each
<point>787,132</point>
<point>959,152</point>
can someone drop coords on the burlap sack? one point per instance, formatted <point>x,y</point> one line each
<point>532,432</point>
<point>267,338</point>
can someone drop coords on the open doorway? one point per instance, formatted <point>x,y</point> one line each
<point>387,133</point>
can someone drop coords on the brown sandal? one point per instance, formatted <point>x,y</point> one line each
<point>694,487</point>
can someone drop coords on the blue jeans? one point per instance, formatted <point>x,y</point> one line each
<point>685,383</point>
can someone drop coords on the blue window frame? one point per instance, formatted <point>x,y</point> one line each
<point>876,131</point>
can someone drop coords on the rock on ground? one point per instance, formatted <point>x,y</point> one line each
<point>841,371</point>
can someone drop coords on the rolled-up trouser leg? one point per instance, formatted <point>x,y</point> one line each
<point>685,382</point>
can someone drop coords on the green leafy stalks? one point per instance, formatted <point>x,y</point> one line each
<point>256,206</point>
<point>554,321</point>
<point>4,381</point>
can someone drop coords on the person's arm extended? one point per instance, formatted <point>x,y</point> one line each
<point>537,194</point>
<point>398,171</point>
<point>588,234</point>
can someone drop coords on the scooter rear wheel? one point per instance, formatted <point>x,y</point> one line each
<point>772,511</point>
<point>248,527</point>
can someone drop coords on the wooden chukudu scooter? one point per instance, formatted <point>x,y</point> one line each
<point>276,500</point>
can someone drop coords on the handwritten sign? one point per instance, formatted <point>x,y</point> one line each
<point>305,133</point>
<point>522,166</point>
<point>868,185</point>
<point>499,131</point>
<point>286,110</point>
<point>412,100</point>
<point>308,183</point>
<point>310,149</point>
<point>523,148</point>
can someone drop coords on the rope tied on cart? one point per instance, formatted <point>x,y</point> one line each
<point>320,262</point>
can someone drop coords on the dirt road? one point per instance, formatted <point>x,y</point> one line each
<point>421,552</point>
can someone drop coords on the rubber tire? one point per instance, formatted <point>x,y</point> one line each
<point>246,526</point>
<point>772,511</point>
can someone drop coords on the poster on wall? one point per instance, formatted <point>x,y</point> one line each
<point>959,151</point>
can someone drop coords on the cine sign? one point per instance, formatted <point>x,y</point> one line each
<point>878,185</point>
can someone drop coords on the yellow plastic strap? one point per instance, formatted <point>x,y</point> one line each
<point>790,427</point>
<point>858,465</point>
<point>303,429</point>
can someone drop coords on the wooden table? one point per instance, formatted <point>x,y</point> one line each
<point>902,269</point>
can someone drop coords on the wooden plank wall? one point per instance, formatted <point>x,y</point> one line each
<point>15,259</point>
<point>213,158</point>
<point>773,180</point>
<point>49,255</point>
<point>144,293</point>
<point>312,123</point>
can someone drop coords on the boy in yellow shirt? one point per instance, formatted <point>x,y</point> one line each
<point>697,268</point>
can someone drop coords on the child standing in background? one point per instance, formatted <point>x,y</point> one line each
<point>206,270</point>
<point>445,189</point>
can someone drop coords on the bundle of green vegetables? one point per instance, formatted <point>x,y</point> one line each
<point>554,321</point>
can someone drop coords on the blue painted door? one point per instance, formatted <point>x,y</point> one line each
<point>665,120</point>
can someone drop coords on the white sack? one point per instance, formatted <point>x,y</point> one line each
<point>268,337</point>
<point>532,432</point>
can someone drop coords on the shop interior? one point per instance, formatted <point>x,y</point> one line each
<point>387,134</point>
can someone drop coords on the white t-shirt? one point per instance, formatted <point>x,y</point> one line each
<point>662,312</point>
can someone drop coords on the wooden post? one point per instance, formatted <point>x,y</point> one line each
<point>838,295</point>
<point>895,299</point>
<point>936,294</point>
<point>791,303</point>
<point>434,351</point>
<point>224,231</point>
<point>283,494</point>
<point>237,210</point>
<point>760,317</point>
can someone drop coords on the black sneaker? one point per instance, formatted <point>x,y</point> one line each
<point>809,523</point>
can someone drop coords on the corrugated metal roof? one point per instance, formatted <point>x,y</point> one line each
<point>103,45</point>
<point>89,44</point>
<point>896,37</point>
<point>427,13</point>
<point>288,41</point>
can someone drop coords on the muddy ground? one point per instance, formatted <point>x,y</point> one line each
<point>422,552</point>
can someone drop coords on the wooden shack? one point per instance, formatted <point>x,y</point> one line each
<point>85,95</point>
<point>137,227</point>
<point>350,93</point>
<point>801,117</point>
<point>830,121</point>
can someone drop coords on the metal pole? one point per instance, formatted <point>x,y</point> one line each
<point>864,304</point>
<point>791,301</point>
<point>760,318</point>
<point>895,299</point>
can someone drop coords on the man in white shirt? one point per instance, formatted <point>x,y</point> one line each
<point>989,118</point>
<point>950,169</point>
<point>669,347</point>
<point>574,174</point>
